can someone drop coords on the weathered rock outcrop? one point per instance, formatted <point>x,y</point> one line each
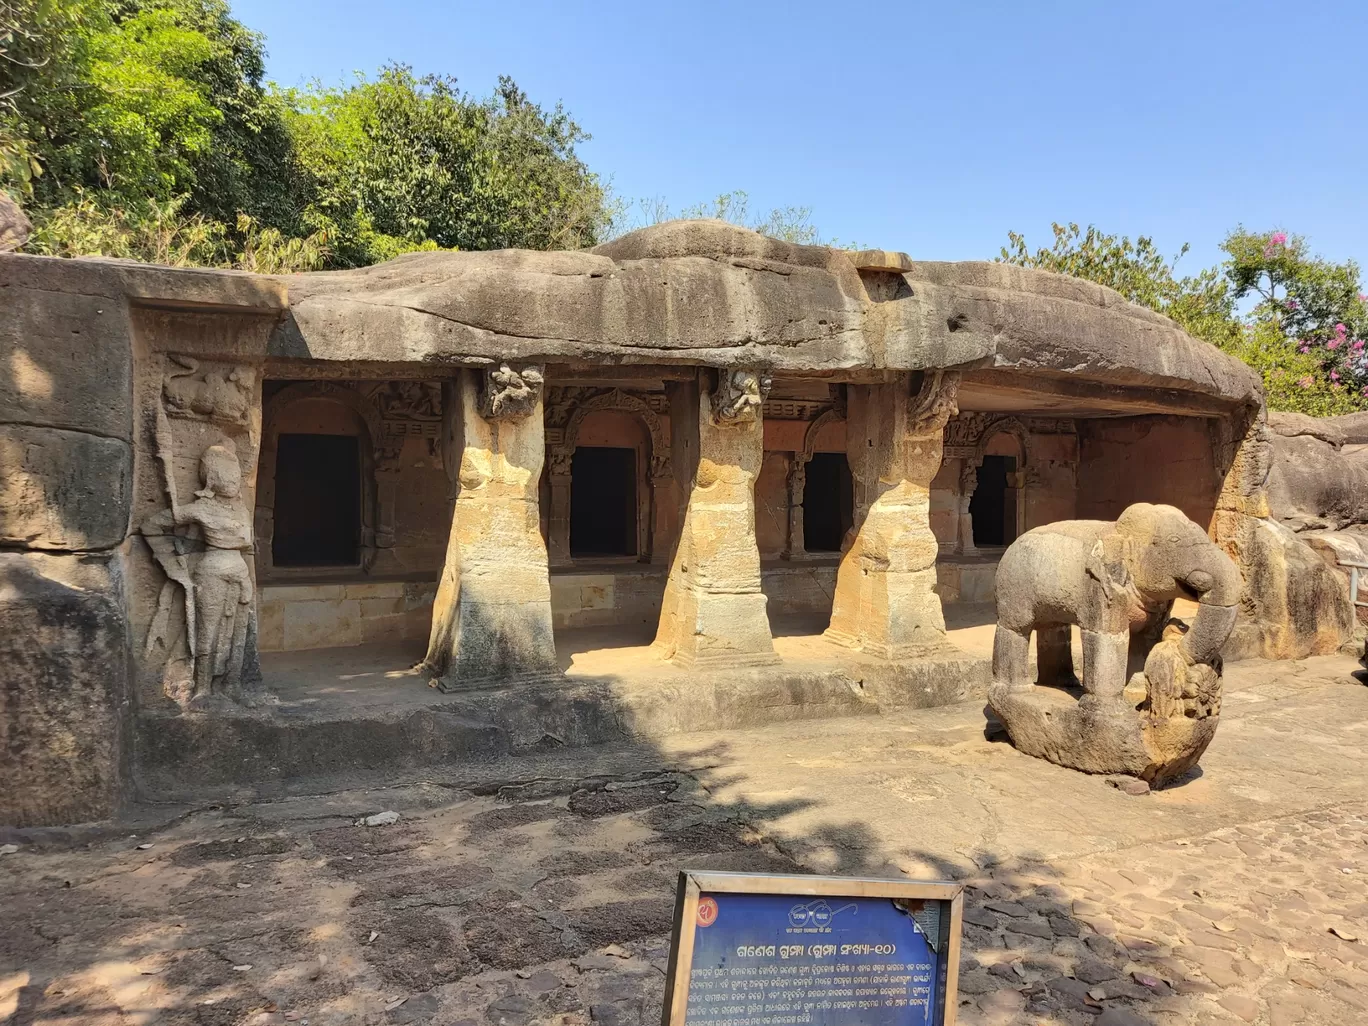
<point>64,681</point>
<point>1303,604</point>
<point>131,404</point>
<point>66,450</point>
<point>1315,480</point>
<point>1318,488</point>
<point>14,225</point>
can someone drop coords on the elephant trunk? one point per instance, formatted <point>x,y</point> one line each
<point>1218,583</point>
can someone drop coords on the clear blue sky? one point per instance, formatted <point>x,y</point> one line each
<point>927,127</point>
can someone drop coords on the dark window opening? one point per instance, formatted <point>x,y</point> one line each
<point>603,502</point>
<point>828,502</point>
<point>992,508</point>
<point>318,501</point>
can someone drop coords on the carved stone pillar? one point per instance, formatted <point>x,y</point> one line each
<point>885,604</point>
<point>968,481</point>
<point>558,533</point>
<point>797,482</point>
<point>491,620</point>
<point>713,612</point>
<point>657,527</point>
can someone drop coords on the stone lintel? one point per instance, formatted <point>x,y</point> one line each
<point>880,260</point>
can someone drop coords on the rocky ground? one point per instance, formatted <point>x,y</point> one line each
<point>541,889</point>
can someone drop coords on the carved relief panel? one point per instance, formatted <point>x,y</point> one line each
<point>200,535</point>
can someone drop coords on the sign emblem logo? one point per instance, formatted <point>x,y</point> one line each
<point>707,911</point>
<point>815,913</point>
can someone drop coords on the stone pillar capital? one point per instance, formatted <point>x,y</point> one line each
<point>509,394</point>
<point>934,402</point>
<point>739,396</point>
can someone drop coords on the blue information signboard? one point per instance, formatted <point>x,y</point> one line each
<point>769,950</point>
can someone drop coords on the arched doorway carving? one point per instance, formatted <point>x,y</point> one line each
<point>1014,482</point>
<point>656,471</point>
<point>377,493</point>
<point>797,478</point>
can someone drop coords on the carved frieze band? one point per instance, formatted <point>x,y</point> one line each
<point>393,411</point>
<point>968,434</point>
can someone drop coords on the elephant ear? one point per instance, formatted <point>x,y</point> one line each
<point>1109,564</point>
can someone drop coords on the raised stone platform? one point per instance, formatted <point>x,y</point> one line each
<point>362,709</point>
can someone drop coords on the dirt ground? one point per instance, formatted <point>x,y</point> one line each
<point>540,889</point>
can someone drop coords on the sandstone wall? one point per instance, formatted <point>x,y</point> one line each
<point>1157,459</point>
<point>66,426</point>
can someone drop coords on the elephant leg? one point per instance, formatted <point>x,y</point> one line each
<point>1104,662</point>
<point>1012,658</point>
<point>1054,657</point>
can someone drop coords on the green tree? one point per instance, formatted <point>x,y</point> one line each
<point>44,57</point>
<point>136,101</point>
<point>406,162</point>
<point>1297,337</point>
<point>1202,303</point>
<point>127,122</point>
<point>1314,303</point>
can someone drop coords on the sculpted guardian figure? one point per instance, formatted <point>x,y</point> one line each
<point>1117,581</point>
<point>218,586</point>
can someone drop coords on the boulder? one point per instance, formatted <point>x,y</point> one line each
<point>1312,484</point>
<point>1291,425</point>
<point>1352,426</point>
<point>15,227</point>
<point>1301,606</point>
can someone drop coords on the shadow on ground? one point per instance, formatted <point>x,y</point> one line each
<point>513,900</point>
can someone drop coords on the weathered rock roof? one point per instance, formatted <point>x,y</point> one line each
<point>709,292</point>
<point>695,292</point>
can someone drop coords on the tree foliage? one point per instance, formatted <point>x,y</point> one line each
<point>404,162</point>
<point>117,115</point>
<point>788,224</point>
<point>1304,335</point>
<point>1313,303</point>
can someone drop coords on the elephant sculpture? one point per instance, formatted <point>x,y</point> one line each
<point>1149,695</point>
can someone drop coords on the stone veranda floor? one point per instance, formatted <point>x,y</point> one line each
<point>539,889</point>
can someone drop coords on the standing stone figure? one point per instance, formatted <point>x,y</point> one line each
<point>218,591</point>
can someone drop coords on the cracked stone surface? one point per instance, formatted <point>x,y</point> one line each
<point>539,890</point>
